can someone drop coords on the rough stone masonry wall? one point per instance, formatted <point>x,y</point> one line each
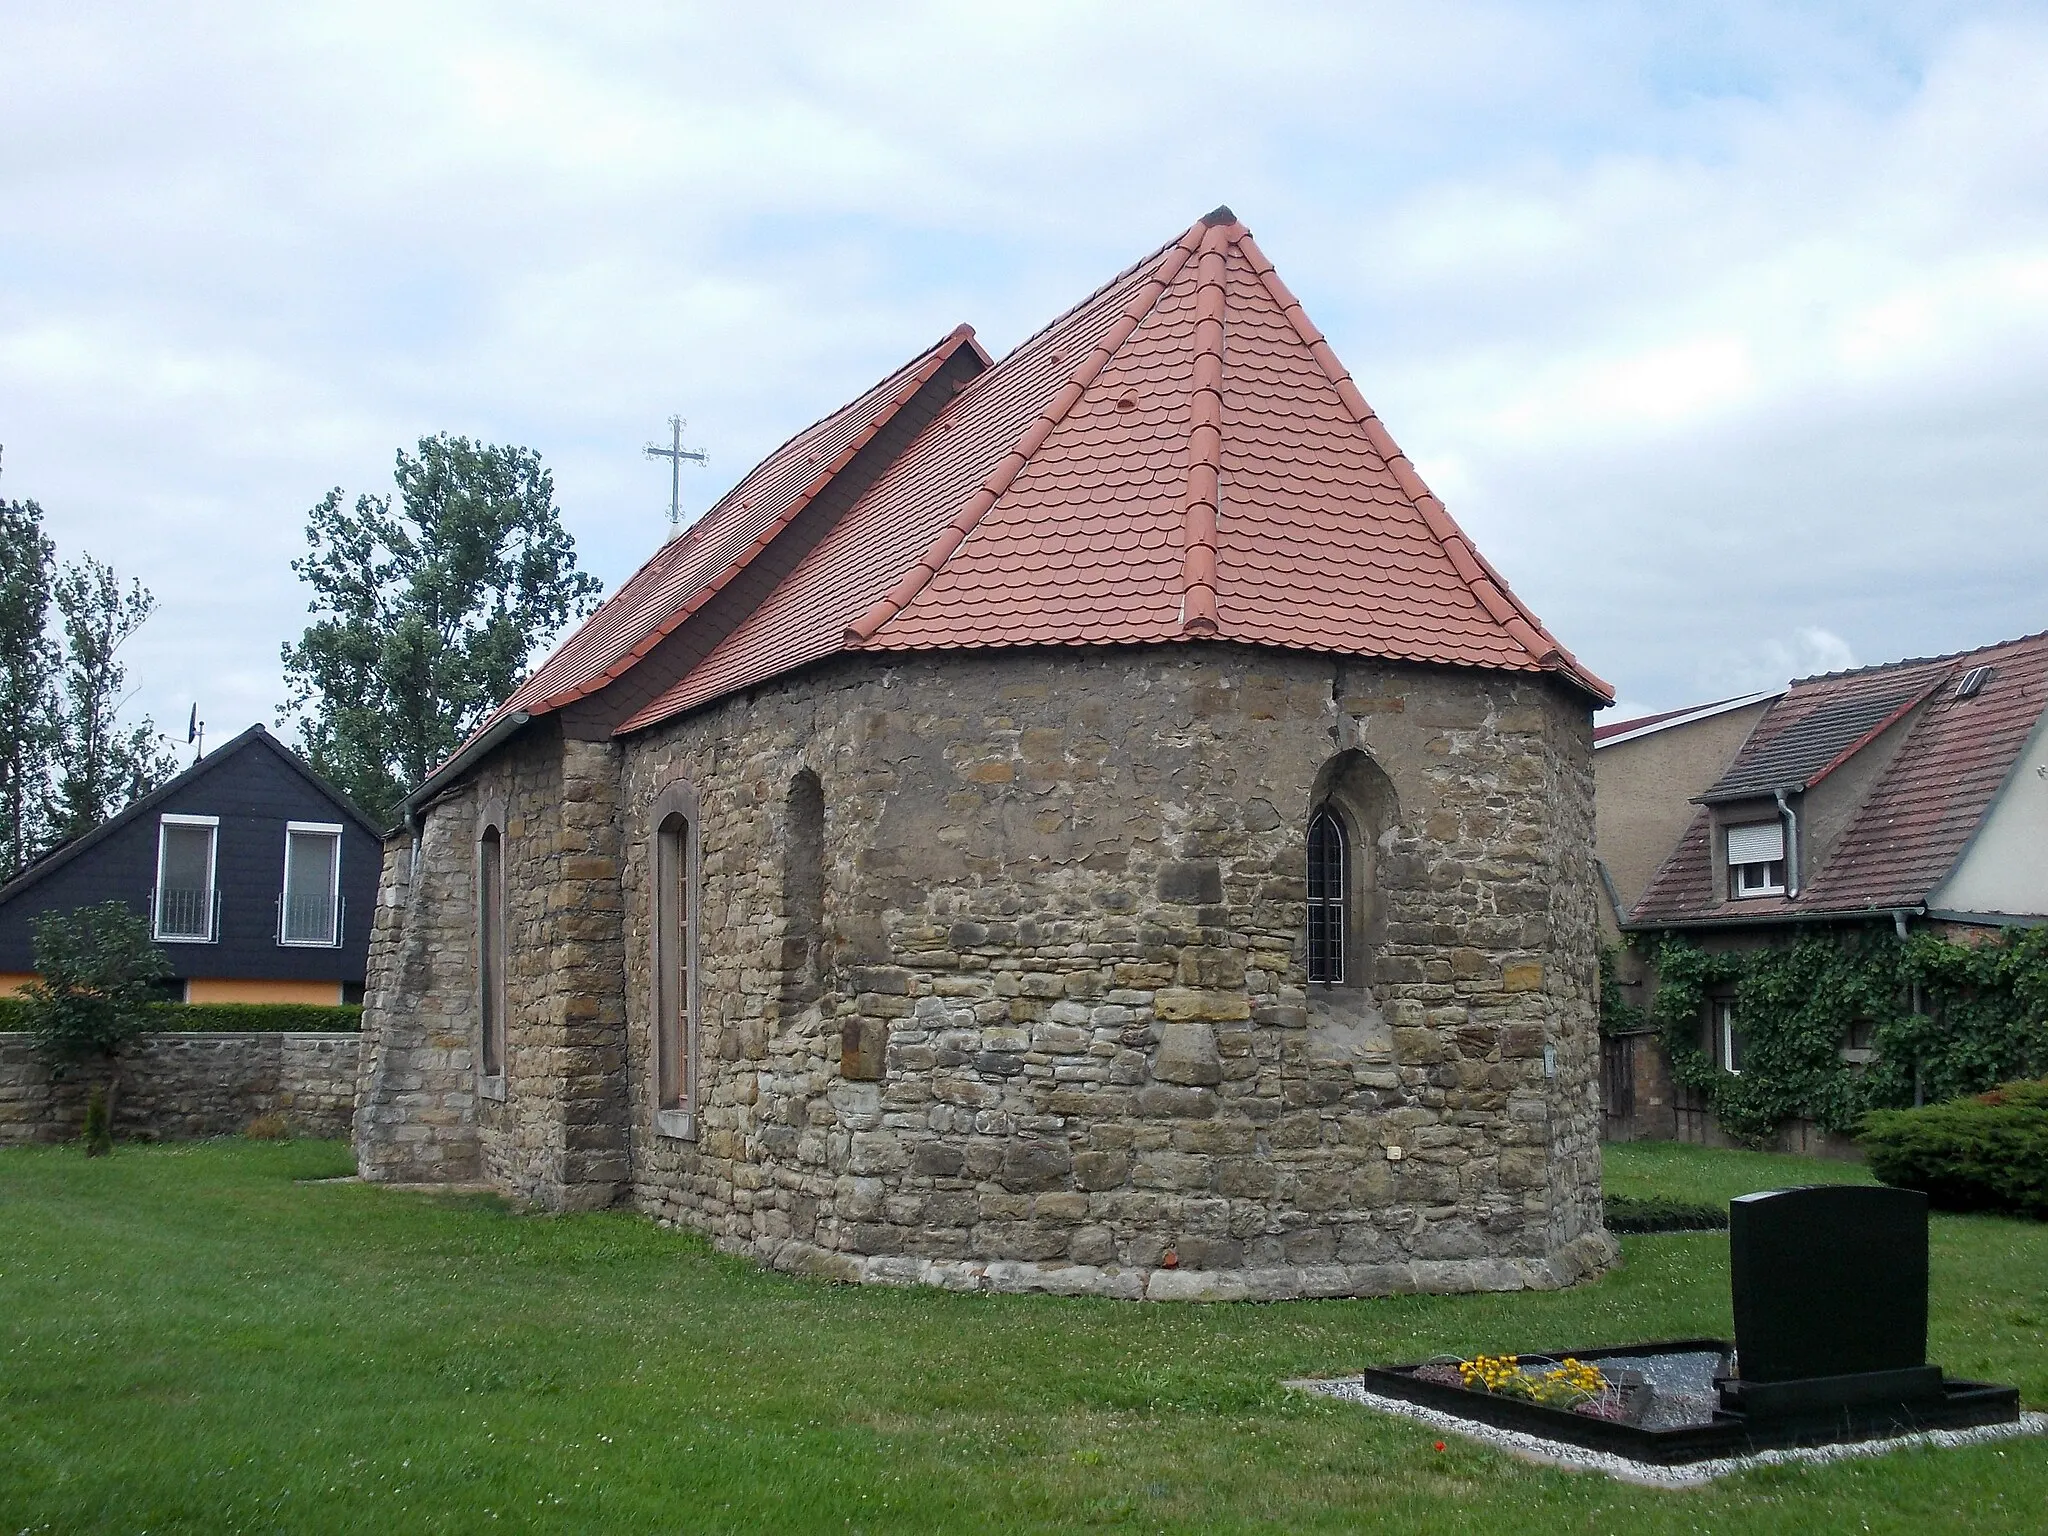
<point>416,1093</point>
<point>180,1086</point>
<point>1063,901</point>
<point>557,1136</point>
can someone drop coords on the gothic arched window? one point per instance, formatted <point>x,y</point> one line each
<point>1329,856</point>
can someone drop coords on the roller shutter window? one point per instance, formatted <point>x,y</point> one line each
<point>1756,859</point>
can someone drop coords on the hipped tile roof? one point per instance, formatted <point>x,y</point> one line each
<point>1914,822</point>
<point>1178,458</point>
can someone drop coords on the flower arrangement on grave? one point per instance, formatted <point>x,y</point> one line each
<point>1570,1384</point>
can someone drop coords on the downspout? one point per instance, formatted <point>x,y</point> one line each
<point>1791,844</point>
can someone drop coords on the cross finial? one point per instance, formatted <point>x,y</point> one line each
<point>675,453</point>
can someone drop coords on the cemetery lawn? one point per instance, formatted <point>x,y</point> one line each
<point>193,1338</point>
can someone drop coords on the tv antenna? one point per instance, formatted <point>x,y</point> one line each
<point>675,453</point>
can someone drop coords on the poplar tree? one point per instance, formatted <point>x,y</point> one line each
<point>101,764</point>
<point>67,761</point>
<point>426,612</point>
<point>26,665</point>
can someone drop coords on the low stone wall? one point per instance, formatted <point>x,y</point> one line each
<point>181,1086</point>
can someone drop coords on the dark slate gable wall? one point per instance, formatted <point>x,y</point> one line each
<point>254,793</point>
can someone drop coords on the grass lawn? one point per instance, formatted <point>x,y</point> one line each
<point>193,1339</point>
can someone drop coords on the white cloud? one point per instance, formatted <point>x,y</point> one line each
<point>1707,332</point>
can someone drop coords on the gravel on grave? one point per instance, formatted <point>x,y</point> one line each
<point>1684,1386</point>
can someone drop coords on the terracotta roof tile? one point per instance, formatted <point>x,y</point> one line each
<point>669,587</point>
<point>1180,457</point>
<point>1914,822</point>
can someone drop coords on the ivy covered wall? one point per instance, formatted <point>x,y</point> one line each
<point>1945,1017</point>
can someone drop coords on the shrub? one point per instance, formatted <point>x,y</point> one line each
<point>1988,1153</point>
<point>1654,1213</point>
<point>97,972</point>
<point>222,1017</point>
<point>270,1127</point>
<point>258,1017</point>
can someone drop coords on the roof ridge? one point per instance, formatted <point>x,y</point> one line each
<point>1488,586</point>
<point>1175,256</point>
<point>1916,661</point>
<point>1205,439</point>
<point>918,373</point>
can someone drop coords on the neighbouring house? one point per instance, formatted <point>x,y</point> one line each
<point>259,880</point>
<point>1906,796</point>
<point>1645,774</point>
<point>1087,821</point>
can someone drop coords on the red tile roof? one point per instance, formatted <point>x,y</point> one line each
<point>689,569</point>
<point>1914,822</point>
<point>1605,733</point>
<point>1180,457</point>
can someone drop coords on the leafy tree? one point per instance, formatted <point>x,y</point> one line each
<point>66,760</point>
<point>101,764</point>
<point>97,971</point>
<point>27,724</point>
<point>426,614</point>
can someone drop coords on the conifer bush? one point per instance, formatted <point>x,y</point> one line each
<point>1987,1153</point>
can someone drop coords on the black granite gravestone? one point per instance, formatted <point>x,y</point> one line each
<point>1830,1292</point>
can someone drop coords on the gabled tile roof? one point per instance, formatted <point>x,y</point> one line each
<point>1645,725</point>
<point>1178,458</point>
<point>1915,821</point>
<point>690,568</point>
<point>1819,727</point>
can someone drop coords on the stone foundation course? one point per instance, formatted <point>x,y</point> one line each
<point>177,1087</point>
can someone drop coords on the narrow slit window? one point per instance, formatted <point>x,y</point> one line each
<point>675,910</point>
<point>490,936</point>
<point>1328,874</point>
<point>184,878</point>
<point>311,913</point>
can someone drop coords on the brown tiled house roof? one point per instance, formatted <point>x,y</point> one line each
<point>1915,820</point>
<point>1179,458</point>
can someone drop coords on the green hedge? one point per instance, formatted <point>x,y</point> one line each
<point>238,1018</point>
<point>1988,1153</point>
<point>1654,1213</point>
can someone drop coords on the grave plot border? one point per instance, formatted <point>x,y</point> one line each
<point>1962,1405</point>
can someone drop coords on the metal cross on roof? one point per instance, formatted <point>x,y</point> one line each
<point>675,453</point>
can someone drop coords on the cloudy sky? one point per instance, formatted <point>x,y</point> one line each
<point>1722,328</point>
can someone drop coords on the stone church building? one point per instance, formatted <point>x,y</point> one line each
<point>1087,821</point>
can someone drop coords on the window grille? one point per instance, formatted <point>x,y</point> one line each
<point>1328,871</point>
<point>185,906</point>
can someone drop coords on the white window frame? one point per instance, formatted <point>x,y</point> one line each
<point>1739,874</point>
<point>156,904</point>
<point>1726,1026</point>
<point>335,830</point>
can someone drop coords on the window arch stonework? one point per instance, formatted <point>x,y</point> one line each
<point>492,950</point>
<point>674,872</point>
<point>1351,809</point>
